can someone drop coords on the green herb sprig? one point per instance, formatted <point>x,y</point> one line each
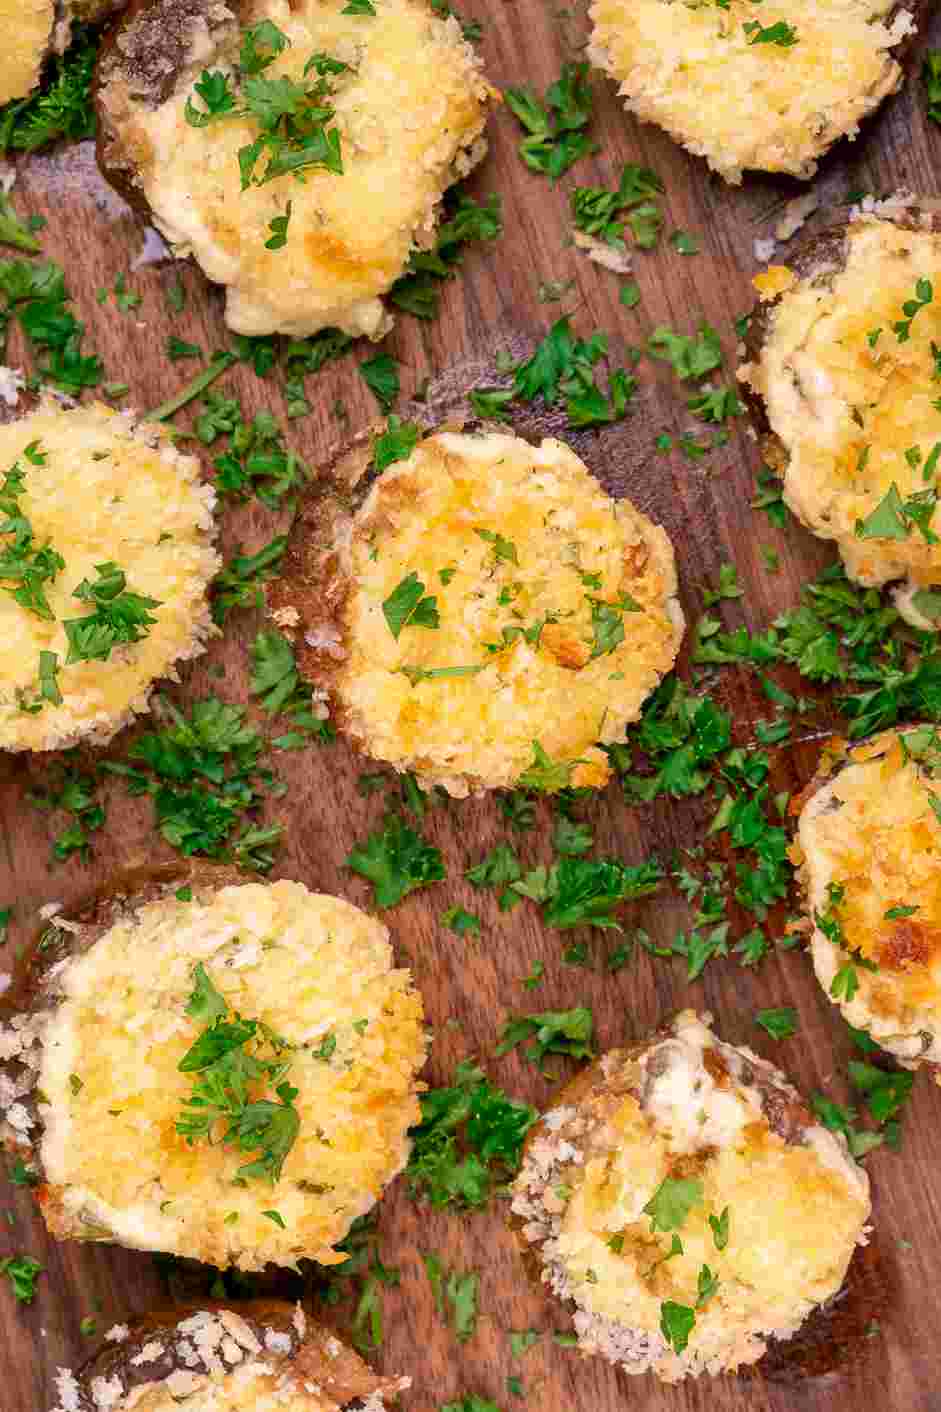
<point>233,1059</point>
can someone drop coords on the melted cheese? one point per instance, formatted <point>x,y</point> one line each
<point>872,831</point>
<point>107,491</point>
<point>309,966</point>
<point>431,515</point>
<point>848,405</point>
<point>686,1109</point>
<point>26,26</point>
<point>692,69</point>
<point>409,115</point>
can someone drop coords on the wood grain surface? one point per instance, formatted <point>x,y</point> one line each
<point>471,985</point>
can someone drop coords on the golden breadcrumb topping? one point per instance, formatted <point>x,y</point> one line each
<point>252,1387</point>
<point>690,1175</point>
<point>314,969</point>
<point>410,109</point>
<point>554,613</point>
<point>870,840</point>
<point>751,85</point>
<point>26,26</point>
<point>97,489</point>
<point>848,378</point>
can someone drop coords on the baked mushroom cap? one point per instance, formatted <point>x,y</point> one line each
<point>685,1172</point>
<point>101,1080</point>
<point>488,605</point>
<point>258,1355</point>
<point>409,99</point>
<point>85,492</point>
<point>870,850</point>
<point>844,372</point>
<point>754,86</point>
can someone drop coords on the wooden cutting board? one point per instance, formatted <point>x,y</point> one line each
<point>471,985</point>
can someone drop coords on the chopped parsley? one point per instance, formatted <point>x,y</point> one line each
<point>23,564</point>
<point>684,243</point>
<point>293,118</point>
<point>924,294</point>
<point>672,1202</point>
<point>502,548</point>
<point>455,1292</point>
<point>229,1058</point>
<point>238,583</point>
<point>690,355</point>
<point>468,1142</point>
<point>255,460</point>
<point>727,587</point>
<point>219,364</point>
<point>571,837</point>
<point>407,606</point>
<point>885,1090</point>
<point>203,775</point>
<point>417,290</point>
<point>73,792</point>
<point>396,860</point>
<point>521,1341</point>
<point>676,1324</point>
<point>568,1032</point>
<point>420,674</point>
<point>678,735</point>
<point>61,106</point>
<point>178,349</point>
<point>719,1225</point>
<point>715,405</point>
<point>555,128</point>
<point>607,214</point>
<point>277,684</point>
<point>895,518</point>
<point>931,78</point>
<point>396,443</point>
<point>22,1272</point>
<point>779,1024</point>
<point>278,225</point>
<point>544,775</point>
<point>782,34</point>
<point>586,891</point>
<point>460,922</point>
<point>471,1403</point>
<point>37,297</point>
<point>561,371</point>
<point>118,616</point>
<point>381,376</point>
<point>845,982</point>
<point>607,622</point>
<point>12,230</point>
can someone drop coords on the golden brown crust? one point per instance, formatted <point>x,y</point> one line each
<point>324,599</point>
<point>95,913</point>
<point>788,152</point>
<point>833,1333</point>
<point>140,55</point>
<point>403,132</point>
<point>88,1184</point>
<point>51,943</point>
<point>315,1355</point>
<point>816,257</point>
